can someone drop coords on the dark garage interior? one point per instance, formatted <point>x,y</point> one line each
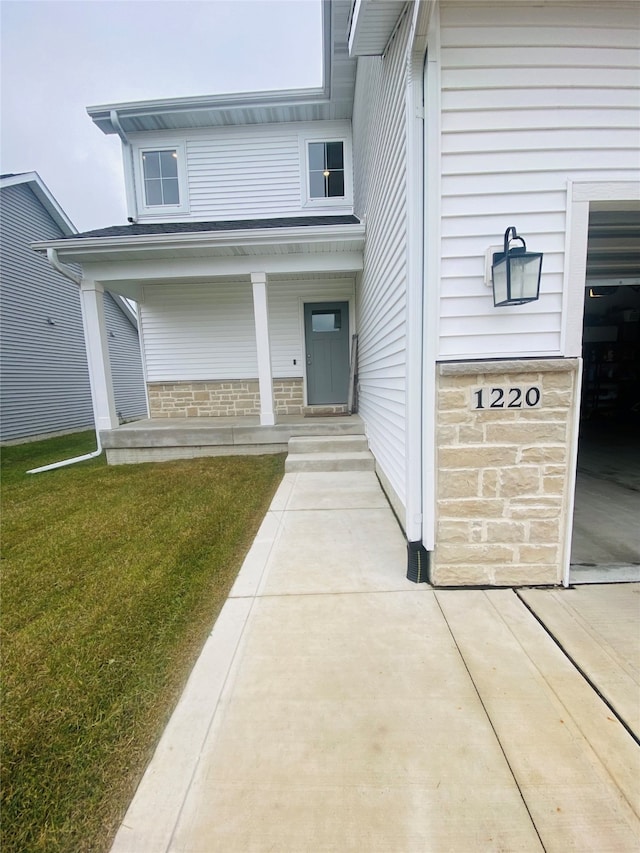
<point>606,532</point>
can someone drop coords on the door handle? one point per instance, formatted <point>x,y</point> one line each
<point>308,358</point>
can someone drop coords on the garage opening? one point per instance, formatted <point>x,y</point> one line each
<point>606,526</point>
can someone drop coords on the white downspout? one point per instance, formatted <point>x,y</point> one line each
<point>66,271</point>
<point>432,229</point>
<point>75,459</point>
<point>415,272</point>
<point>129,166</point>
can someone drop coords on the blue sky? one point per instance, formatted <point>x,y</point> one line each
<point>60,57</point>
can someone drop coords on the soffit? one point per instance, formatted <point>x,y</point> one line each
<point>372,23</point>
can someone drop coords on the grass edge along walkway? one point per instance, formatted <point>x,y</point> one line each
<point>112,578</point>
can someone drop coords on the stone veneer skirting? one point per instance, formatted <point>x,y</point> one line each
<point>221,398</point>
<point>503,474</point>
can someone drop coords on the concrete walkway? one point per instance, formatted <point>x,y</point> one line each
<point>338,707</point>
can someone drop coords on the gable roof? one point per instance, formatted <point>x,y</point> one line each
<point>42,193</point>
<point>332,100</point>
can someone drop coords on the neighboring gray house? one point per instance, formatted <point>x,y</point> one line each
<point>44,377</point>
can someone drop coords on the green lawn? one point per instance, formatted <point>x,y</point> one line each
<point>111,580</point>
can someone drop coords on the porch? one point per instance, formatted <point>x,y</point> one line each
<point>160,440</point>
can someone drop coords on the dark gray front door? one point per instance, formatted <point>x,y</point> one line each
<point>326,330</point>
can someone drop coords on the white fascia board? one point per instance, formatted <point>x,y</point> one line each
<point>222,239</point>
<point>101,114</point>
<point>43,194</point>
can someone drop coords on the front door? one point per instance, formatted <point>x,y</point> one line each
<point>326,330</point>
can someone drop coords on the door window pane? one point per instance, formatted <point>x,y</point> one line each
<point>326,321</point>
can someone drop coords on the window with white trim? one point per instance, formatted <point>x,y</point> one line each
<point>160,175</point>
<point>161,179</point>
<point>326,169</point>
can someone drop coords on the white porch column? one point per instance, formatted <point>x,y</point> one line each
<point>97,344</point>
<point>265,378</point>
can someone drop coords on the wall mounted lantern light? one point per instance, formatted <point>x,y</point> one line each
<point>515,273</point>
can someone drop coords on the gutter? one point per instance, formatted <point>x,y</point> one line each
<point>67,272</point>
<point>221,239</point>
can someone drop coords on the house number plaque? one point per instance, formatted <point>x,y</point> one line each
<point>512,397</point>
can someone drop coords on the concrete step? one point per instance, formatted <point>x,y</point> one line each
<point>349,461</point>
<point>328,444</point>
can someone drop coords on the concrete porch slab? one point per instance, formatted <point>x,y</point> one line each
<point>162,439</point>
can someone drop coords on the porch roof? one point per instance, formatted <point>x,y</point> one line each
<point>146,229</point>
<point>124,257</point>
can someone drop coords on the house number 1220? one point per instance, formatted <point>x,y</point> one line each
<point>507,398</point>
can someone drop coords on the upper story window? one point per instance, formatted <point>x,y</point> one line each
<point>161,179</point>
<point>326,170</point>
<point>325,165</point>
<point>160,170</point>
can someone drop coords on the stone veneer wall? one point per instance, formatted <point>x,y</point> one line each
<point>503,474</point>
<point>230,398</point>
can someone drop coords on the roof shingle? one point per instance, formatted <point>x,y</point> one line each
<point>149,229</point>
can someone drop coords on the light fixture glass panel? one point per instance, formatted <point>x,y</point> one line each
<point>499,273</point>
<point>524,277</point>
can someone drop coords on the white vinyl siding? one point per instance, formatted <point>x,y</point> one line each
<point>126,364</point>
<point>286,300</point>
<point>249,172</point>
<point>44,378</point>
<point>207,331</point>
<point>380,195</point>
<point>532,96</point>
<point>199,331</point>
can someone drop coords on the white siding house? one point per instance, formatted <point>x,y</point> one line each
<point>439,125</point>
<point>44,385</point>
